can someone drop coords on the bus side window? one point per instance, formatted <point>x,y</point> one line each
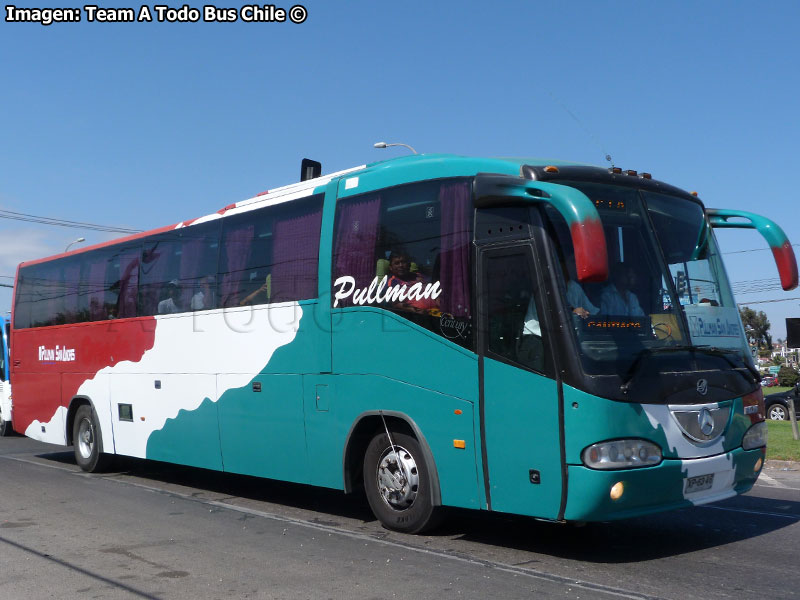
<point>271,254</point>
<point>513,322</point>
<point>426,229</point>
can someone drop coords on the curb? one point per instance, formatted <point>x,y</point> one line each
<point>788,465</point>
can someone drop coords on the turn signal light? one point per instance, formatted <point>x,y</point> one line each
<point>753,406</point>
<point>550,169</point>
<point>755,437</point>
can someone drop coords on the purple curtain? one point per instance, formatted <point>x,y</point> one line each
<point>356,240</point>
<point>191,263</point>
<point>237,244</point>
<point>155,266</point>
<point>97,289</point>
<point>51,296</point>
<point>295,257</point>
<point>456,209</point>
<point>129,283</point>
<point>72,275</point>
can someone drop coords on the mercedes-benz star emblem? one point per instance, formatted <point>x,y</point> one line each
<point>702,387</point>
<point>706,421</point>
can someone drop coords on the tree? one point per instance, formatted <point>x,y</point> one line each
<point>787,377</point>
<point>756,327</point>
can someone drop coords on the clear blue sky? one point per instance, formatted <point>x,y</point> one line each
<point>145,124</point>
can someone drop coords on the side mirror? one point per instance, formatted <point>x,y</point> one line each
<point>585,227</point>
<point>782,250</point>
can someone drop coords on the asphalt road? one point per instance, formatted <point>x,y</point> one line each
<point>150,530</point>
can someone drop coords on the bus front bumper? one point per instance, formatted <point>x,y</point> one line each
<point>596,495</point>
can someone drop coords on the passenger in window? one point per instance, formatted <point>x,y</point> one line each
<point>204,298</point>
<point>577,300</point>
<point>260,296</point>
<point>400,273</point>
<point>171,304</point>
<point>618,297</point>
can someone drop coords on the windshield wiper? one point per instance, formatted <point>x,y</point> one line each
<point>647,352</point>
<point>723,353</point>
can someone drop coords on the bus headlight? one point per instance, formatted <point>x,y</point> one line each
<point>621,454</point>
<point>756,436</point>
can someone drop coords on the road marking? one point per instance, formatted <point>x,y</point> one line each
<point>753,512</point>
<point>766,479</point>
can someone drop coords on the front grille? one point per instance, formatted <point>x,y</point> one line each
<point>701,423</point>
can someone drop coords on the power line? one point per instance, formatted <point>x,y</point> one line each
<point>768,301</point>
<point>755,250</point>
<point>17,216</point>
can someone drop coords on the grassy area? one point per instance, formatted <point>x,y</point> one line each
<point>775,390</point>
<point>781,444</point>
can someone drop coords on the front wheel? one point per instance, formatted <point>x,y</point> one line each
<point>397,484</point>
<point>86,439</point>
<point>778,412</point>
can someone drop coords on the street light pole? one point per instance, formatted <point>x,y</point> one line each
<point>385,145</point>
<point>78,241</point>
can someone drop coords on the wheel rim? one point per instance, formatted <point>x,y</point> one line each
<point>397,478</point>
<point>85,439</point>
<point>776,413</point>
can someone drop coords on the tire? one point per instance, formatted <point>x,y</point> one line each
<point>403,504</point>
<point>88,442</point>
<point>778,412</point>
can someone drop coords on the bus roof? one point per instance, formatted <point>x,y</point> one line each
<point>403,169</point>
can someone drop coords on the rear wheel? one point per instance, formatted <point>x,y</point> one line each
<point>397,484</point>
<point>87,442</point>
<point>778,412</point>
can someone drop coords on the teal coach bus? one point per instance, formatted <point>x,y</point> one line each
<point>514,335</point>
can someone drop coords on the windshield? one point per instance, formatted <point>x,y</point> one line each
<point>666,309</point>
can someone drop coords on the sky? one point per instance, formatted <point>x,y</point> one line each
<point>139,125</point>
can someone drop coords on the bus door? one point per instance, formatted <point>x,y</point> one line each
<point>519,395</point>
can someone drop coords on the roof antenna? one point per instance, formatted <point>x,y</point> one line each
<point>585,129</point>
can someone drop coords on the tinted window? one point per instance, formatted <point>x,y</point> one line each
<point>407,249</point>
<point>271,254</point>
<point>264,255</point>
<point>178,270</point>
<point>514,330</point>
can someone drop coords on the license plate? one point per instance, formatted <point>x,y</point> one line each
<point>699,483</point>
